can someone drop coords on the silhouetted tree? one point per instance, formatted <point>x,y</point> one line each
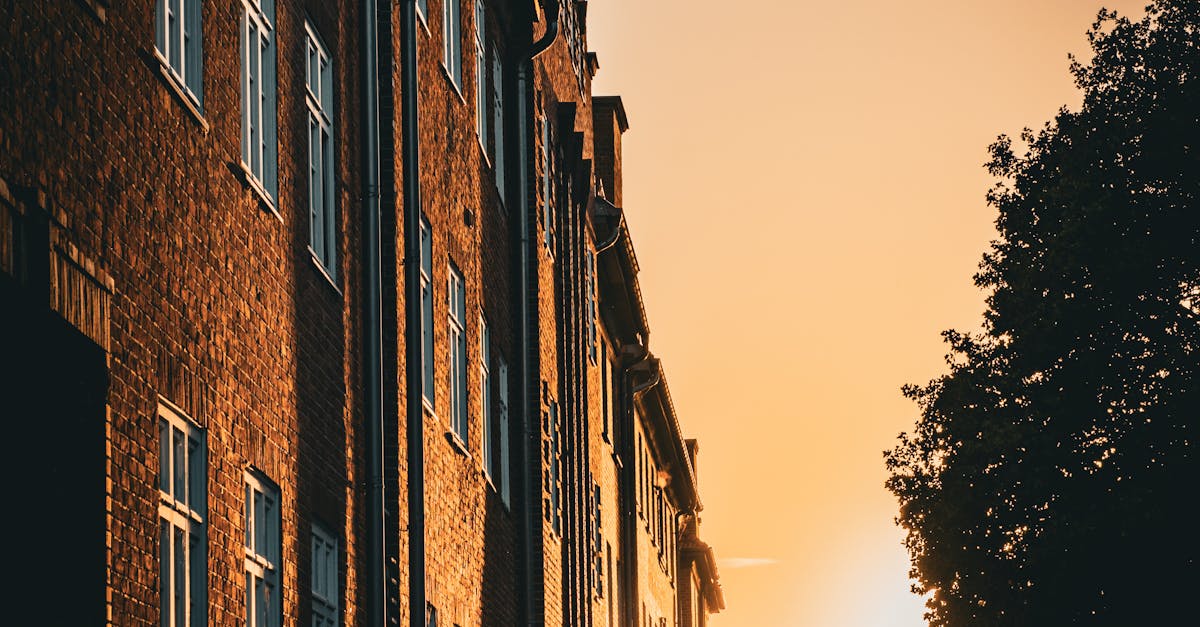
<point>1052,477</point>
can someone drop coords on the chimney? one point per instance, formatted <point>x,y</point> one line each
<point>608,123</point>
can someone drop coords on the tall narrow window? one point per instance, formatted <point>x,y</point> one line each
<point>606,393</point>
<point>485,400</point>
<point>590,299</point>
<point>498,118</point>
<point>422,9</point>
<point>547,201</point>
<point>452,40</point>
<point>321,205</point>
<point>502,375</point>
<point>481,93</point>
<point>263,607</point>
<point>324,578</point>
<point>182,515</point>
<point>457,292</point>
<point>553,458</point>
<point>426,312</point>
<point>597,543</point>
<point>178,41</point>
<point>258,95</point>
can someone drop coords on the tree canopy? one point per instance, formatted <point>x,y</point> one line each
<point>1052,476</point>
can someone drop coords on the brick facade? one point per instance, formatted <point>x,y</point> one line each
<point>147,276</point>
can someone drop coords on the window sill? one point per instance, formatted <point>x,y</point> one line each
<point>252,183</point>
<point>457,443</point>
<point>312,254</point>
<point>180,91</point>
<point>453,85</point>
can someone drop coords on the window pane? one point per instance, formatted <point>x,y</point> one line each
<point>180,581</point>
<point>164,573</point>
<point>164,456</point>
<point>249,517</point>
<point>260,524</point>
<point>196,476</point>
<point>179,458</point>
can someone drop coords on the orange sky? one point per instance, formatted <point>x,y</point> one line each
<point>804,184</point>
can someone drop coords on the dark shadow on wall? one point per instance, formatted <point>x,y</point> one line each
<point>53,390</point>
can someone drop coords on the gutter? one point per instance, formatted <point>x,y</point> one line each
<point>533,614</point>
<point>415,431</point>
<point>373,322</point>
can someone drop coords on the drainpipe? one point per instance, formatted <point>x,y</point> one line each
<point>372,322</point>
<point>632,357</point>
<point>412,313</point>
<point>530,441</point>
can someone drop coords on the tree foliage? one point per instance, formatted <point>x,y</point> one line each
<point>1052,477</point>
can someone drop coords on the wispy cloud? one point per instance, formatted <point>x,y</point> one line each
<point>746,562</point>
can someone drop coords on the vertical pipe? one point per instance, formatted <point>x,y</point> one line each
<point>372,321</point>
<point>527,323</point>
<point>410,155</point>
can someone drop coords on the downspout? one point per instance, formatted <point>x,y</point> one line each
<point>529,442</point>
<point>629,590</point>
<point>414,430</point>
<point>678,558</point>
<point>373,322</point>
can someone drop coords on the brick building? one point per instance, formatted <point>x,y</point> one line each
<point>327,313</point>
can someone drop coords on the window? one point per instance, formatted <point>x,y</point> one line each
<point>547,203</point>
<point>422,9</point>
<point>485,400</point>
<point>452,40</point>
<point>426,312</point>
<point>258,95</point>
<point>321,206</point>
<point>324,578</point>
<point>553,457</point>
<point>480,76</point>
<point>590,299</point>
<point>457,293</point>
<point>263,607</point>
<point>503,411</point>
<point>178,41</point>
<point>597,543</point>
<point>498,118</point>
<point>182,539</point>
<point>606,393</point>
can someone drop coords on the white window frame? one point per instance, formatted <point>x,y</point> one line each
<point>502,376</point>
<point>606,392</point>
<point>182,515</point>
<point>179,45</point>
<point>487,411</point>
<point>456,294</point>
<point>422,9</point>
<point>324,575</point>
<point>597,542</point>
<point>259,137</point>
<point>452,41</point>
<point>427,366</point>
<point>263,545</point>
<point>322,197</point>
<point>481,91</point>
<point>554,475</point>
<point>547,201</point>
<point>498,120</point>
<point>590,299</point>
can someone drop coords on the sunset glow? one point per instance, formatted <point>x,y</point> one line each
<point>805,186</point>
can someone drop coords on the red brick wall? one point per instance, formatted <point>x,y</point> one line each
<point>217,305</point>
